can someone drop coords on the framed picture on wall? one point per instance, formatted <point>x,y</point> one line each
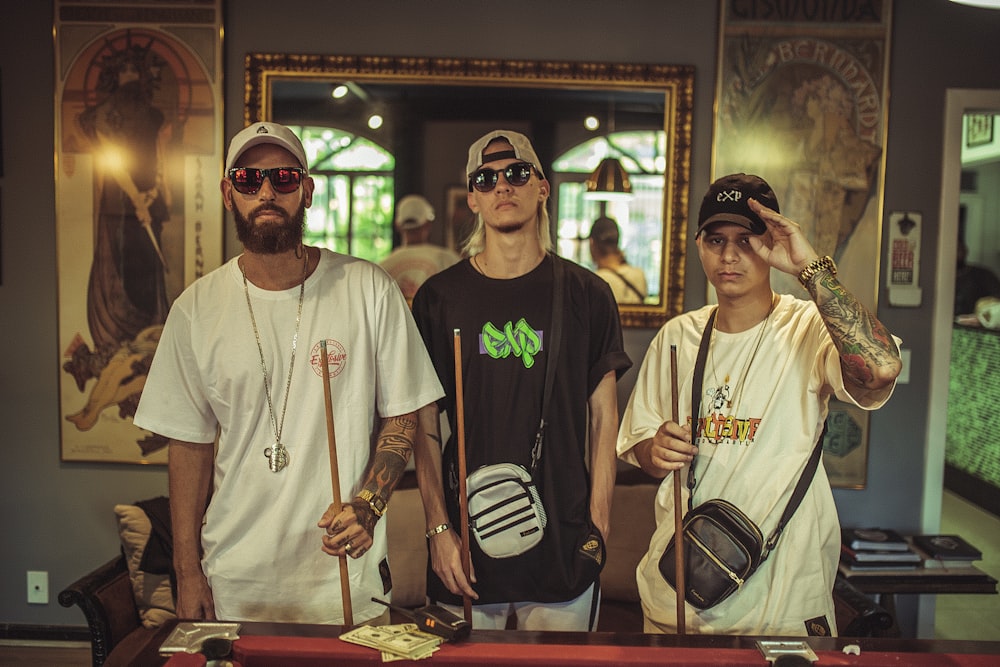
<point>801,102</point>
<point>459,219</point>
<point>978,129</point>
<point>139,152</point>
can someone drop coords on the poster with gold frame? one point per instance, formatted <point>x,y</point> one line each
<point>139,141</point>
<point>801,99</point>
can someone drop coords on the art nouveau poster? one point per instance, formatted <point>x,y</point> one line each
<point>801,102</point>
<point>138,97</point>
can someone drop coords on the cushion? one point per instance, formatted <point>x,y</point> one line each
<point>153,596</point>
<point>407,548</point>
<point>632,524</point>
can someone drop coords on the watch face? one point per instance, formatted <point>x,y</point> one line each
<point>374,501</point>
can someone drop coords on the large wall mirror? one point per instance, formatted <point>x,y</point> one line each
<point>383,127</point>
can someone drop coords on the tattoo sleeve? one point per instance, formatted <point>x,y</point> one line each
<point>392,452</point>
<point>867,352</point>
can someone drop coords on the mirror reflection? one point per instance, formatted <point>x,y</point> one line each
<point>615,145</point>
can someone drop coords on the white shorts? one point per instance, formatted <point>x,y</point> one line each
<point>577,615</point>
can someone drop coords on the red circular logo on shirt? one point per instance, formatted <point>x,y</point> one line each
<point>336,357</point>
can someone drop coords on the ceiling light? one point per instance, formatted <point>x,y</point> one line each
<point>609,181</point>
<point>988,4</point>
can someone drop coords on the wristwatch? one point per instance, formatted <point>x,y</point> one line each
<point>375,501</point>
<point>816,266</point>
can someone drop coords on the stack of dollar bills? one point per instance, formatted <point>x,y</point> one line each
<point>396,642</point>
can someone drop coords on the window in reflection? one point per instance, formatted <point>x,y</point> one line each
<point>640,217</point>
<point>353,200</point>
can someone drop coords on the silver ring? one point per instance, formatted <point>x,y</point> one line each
<point>347,548</point>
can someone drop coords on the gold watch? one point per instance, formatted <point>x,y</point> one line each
<point>818,265</point>
<point>375,501</point>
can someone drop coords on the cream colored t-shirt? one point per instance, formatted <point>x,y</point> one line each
<point>751,454</point>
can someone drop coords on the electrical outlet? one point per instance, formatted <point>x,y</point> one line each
<point>38,587</point>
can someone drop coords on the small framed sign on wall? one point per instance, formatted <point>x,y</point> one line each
<point>978,129</point>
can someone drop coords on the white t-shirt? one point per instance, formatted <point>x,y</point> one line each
<point>410,266</point>
<point>764,440</point>
<point>261,544</point>
<point>616,279</point>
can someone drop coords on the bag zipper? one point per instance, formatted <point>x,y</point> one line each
<point>722,566</point>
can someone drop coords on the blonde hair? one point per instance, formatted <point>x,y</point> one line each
<point>476,242</point>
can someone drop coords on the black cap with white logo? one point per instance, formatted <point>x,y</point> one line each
<point>726,201</point>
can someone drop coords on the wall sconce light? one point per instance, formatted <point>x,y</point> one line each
<point>987,4</point>
<point>609,182</point>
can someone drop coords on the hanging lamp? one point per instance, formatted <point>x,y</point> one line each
<point>609,181</point>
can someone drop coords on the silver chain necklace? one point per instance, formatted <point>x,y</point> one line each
<point>277,456</point>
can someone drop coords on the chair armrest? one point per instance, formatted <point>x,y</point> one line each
<point>858,615</point>
<point>108,603</point>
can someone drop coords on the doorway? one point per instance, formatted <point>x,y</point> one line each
<point>958,103</point>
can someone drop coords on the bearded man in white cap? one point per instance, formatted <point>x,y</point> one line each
<point>504,301</point>
<point>254,528</point>
<point>416,259</point>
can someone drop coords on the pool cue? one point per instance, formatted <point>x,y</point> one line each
<point>678,518</point>
<point>331,436</point>
<point>463,499</point>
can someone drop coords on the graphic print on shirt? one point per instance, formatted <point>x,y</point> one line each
<point>519,339</point>
<point>336,356</point>
<point>718,427</point>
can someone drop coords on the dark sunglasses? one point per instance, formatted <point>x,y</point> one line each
<point>247,180</point>
<point>485,179</point>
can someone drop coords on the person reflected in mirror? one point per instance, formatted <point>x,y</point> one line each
<point>773,363</point>
<point>628,283</point>
<point>416,259</point>
<point>501,301</point>
<point>253,524</point>
<point>972,282</point>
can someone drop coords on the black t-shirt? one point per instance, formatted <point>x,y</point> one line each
<point>503,325</point>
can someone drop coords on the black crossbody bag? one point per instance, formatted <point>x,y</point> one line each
<point>722,545</point>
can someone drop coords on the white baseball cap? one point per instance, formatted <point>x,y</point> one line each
<point>520,143</point>
<point>413,211</point>
<point>265,133</point>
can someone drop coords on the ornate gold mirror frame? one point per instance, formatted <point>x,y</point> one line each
<point>670,85</point>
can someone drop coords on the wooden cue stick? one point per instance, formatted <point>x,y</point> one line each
<point>463,499</point>
<point>331,436</point>
<point>678,518</point>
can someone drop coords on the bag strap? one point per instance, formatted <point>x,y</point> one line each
<point>552,355</point>
<point>696,390</point>
<point>805,479</point>
<point>629,284</point>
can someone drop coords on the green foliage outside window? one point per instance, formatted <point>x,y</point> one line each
<point>353,203</point>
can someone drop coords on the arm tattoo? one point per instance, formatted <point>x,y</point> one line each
<point>392,452</point>
<point>366,517</point>
<point>862,341</point>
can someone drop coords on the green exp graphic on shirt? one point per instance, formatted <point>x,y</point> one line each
<point>517,339</point>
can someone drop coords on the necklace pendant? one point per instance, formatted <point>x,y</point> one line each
<point>277,458</point>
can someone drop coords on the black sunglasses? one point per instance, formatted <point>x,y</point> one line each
<point>485,179</point>
<point>247,180</point>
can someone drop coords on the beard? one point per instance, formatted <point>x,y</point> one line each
<point>270,239</point>
<point>510,227</point>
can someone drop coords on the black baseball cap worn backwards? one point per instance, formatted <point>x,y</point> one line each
<point>726,201</point>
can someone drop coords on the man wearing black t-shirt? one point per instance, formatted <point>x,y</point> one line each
<point>501,302</point>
